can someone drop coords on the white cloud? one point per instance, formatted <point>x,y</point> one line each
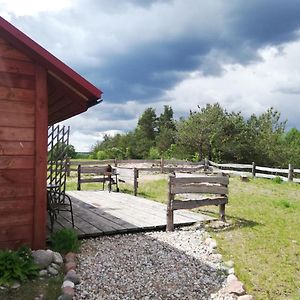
<point>20,8</point>
<point>273,81</point>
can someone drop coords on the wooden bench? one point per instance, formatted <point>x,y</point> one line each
<point>99,173</point>
<point>213,190</point>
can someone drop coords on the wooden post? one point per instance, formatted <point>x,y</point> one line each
<point>78,178</point>
<point>68,167</point>
<point>170,212</point>
<point>253,169</point>
<point>135,180</point>
<point>162,164</point>
<point>115,162</point>
<point>222,212</point>
<point>291,173</point>
<point>206,164</point>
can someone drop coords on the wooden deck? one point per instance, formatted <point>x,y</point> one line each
<point>99,213</point>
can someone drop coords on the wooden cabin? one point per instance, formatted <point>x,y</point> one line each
<point>36,90</point>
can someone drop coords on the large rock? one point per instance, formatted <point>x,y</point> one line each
<point>72,276</point>
<point>68,283</point>
<point>52,271</point>
<point>70,266</point>
<point>70,257</point>
<point>42,258</point>
<point>245,297</point>
<point>57,258</point>
<point>236,287</point>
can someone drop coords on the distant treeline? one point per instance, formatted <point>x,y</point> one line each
<point>211,132</point>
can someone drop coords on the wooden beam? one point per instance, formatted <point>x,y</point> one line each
<point>190,204</point>
<point>41,135</point>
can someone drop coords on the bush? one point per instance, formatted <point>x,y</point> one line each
<point>64,241</point>
<point>154,153</point>
<point>101,155</point>
<point>277,180</point>
<point>16,266</point>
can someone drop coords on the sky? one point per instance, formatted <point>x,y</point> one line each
<point>183,53</point>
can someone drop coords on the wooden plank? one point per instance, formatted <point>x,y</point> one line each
<point>17,67</point>
<point>272,170</point>
<point>16,162</point>
<point>41,142</point>
<point>201,188</point>
<point>190,204</point>
<point>8,51</point>
<point>234,166</point>
<point>269,176</point>
<point>16,177</point>
<point>16,219</point>
<point>16,94</point>
<point>16,107</point>
<point>17,81</point>
<point>16,134</point>
<point>16,148</point>
<point>15,244</point>
<point>92,180</point>
<point>9,191</point>
<point>96,170</point>
<point>92,162</point>
<point>223,180</point>
<point>19,204</point>
<point>16,232</point>
<point>16,119</point>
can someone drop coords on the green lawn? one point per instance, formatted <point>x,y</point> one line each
<point>264,236</point>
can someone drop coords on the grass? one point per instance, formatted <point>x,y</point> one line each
<point>263,239</point>
<point>50,288</point>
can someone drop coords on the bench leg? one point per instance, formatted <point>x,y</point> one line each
<point>170,220</point>
<point>222,212</point>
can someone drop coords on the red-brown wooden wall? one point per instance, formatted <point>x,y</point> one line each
<point>23,149</point>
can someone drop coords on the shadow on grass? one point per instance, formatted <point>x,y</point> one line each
<point>232,222</point>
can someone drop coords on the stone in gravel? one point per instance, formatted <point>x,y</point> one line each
<point>245,297</point>
<point>42,258</point>
<point>231,277</point>
<point>230,271</point>
<point>236,287</point>
<point>65,297</point>
<point>43,273</point>
<point>229,263</point>
<point>217,257</point>
<point>72,276</point>
<point>71,265</point>
<point>213,244</point>
<point>68,291</point>
<point>68,283</point>
<point>70,256</point>
<point>52,271</point>
<point>57,258</point>
<point>55,266</point>
<point>16,285</point>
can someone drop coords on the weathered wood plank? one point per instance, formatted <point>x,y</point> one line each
<point>8,51</point>
<point>16,148</point>
<point>223,180</point>
<point>19,204</point>
<point>16,67</point>
<point>16,162</point>
<point>16,134</point>
<point>16,119</point>
<point>16,177</point>
<point>17,81</point>
<point>201,188</point>
<point>15,232</point>
<point>16,94</point>
<point>10,191</point>
<point>15,219</point>
<point>16,107</point>
<point>272,170</point>
<point>190,204</point>
<point>14,244</point>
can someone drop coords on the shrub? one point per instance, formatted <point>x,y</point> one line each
<point>16,266</point>
<point>277,180</point>
<point>64,241</point>
<point>101,155</point>
<point>154,153</point>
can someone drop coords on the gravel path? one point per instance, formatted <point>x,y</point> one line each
<point>153,265</point>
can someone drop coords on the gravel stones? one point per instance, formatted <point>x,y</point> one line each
<point>154,265</point>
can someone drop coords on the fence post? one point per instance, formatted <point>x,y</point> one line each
<point>162,165</point>
<point>206,164</point>
<point>253,169</point>
<point>291,173</point>
<point>78,178</point>
<point>116,162</point>
<point>170,212</point>
<point>68,167</point>
<point>135,180</point>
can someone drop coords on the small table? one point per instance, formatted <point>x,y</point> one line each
<point>111,180</point>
